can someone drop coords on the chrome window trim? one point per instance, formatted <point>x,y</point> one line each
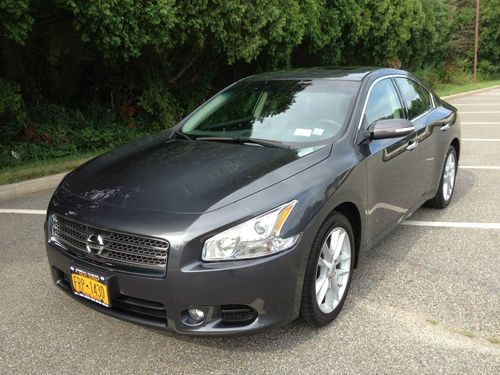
<point>389,76</point>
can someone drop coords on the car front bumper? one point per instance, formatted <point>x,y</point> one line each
<point>269,288</point>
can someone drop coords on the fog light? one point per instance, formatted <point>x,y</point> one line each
<point>197,315</point>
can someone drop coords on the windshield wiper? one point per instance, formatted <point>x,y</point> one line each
<point>181,134</point>
<point>257,141</point>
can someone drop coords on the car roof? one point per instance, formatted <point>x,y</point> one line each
<point>334,73</point>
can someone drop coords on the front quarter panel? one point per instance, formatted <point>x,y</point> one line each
<point>319,190</point>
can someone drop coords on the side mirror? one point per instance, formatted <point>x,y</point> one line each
<point>393,128</point>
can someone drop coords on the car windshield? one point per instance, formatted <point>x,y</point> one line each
<point>298,113</point>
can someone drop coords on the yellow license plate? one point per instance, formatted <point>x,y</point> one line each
<point>90,286</point>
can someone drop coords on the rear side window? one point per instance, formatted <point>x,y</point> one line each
<point>417,99</point>
<point>383,103</point>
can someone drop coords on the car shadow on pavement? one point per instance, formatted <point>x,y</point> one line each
<point>289,336</point>
<point>377,266</point>
<point>464,186</point>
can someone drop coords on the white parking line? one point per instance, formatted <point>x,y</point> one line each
<point>479,112</point>
<point>479,167</point>
<point>477,103</point>
<point>464,98</point>
<point>480,140</point>
<point>443,224</point>
<point>451,224</point>
<point>21,211</point>
<point>480,123</point>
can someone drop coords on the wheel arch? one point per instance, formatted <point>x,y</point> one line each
<point>351,212</point>
<point>456,145</point>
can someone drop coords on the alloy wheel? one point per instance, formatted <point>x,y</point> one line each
<point>333,270</point>
<point>449,176</point>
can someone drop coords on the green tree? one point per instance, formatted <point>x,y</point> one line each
<point>489,40</point>
<point>462,15</point>
<point>15,20</point>
<point>123,28</point>
<point>333,28</point>
<point>412,32</point>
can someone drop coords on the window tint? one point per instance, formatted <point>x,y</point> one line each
<point>417,99</point>
<point>383,103</point>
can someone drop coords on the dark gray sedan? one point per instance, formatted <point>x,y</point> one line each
<point>254,209</point>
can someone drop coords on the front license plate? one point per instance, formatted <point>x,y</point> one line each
<point>89,285</point>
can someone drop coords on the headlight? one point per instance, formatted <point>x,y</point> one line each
<point>256,237</point>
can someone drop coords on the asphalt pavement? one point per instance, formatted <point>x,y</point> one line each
<point>425,300</point>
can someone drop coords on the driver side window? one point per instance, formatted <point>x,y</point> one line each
<point>383,103</point>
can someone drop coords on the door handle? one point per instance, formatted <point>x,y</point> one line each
<point>445,127</point>
<point>412,145</point>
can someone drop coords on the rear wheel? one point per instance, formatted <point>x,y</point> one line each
<point>329,271</point>
<point>447,183</point>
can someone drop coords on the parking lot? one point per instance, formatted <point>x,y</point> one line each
<point>425,300</point>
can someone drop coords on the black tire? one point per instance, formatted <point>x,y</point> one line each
<point>439,201</point>
<point>309,309</point>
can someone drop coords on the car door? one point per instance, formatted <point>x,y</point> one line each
<point>391,164</point>
<point>429,125</point>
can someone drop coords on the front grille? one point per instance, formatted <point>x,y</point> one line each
<point>121,250</point>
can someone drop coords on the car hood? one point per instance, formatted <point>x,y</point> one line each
<point>181,176</point>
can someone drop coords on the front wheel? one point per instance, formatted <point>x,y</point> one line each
<point>329,271</point>
<point>447,183</point>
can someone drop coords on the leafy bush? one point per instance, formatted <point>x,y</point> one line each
<point>158,107</point>
<point>486,69</point>
<point>53,131</point>
<point>11,101</point>
<point>12,115</point>
<point>431,76</point>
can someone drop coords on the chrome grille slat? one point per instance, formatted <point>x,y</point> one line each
<point>61,237</point>
<point>120,249</point>
<point>72,225</point>
<point>114,258</point>
<point>143,246</point>
<point>136,238</point>
<point>68,233</point>
<point>132,253</point>
<point>67,229</point>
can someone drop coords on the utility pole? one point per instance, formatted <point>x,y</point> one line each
<point>476,40</point>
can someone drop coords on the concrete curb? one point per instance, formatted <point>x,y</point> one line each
<point>469,92</point>
<point>18,189</point>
